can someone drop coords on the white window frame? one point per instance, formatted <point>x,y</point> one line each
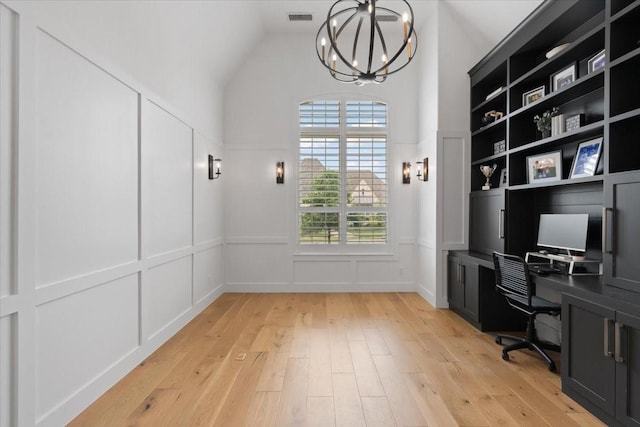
<point>342,247</point>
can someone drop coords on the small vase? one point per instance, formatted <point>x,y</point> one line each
<point>546,133</point>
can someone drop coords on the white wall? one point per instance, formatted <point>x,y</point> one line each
<point>260,122</point>
<point>111,230</point>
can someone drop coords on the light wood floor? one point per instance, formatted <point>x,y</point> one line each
<point>369,359</point>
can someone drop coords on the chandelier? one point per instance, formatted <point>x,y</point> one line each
<point>351,45</point>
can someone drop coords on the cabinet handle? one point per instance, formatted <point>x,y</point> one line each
<point>607,349</point>
<point>501,224</point>
<point>605,226</point>
<point>618,357</point>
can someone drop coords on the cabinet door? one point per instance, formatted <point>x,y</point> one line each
<point>471,290</point>
<point>454,286</point>
<point>628,370</point>
<point>588,367</point>
<point>622,229</point>
<point>487,218</point>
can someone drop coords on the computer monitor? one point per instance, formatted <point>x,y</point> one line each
<point>563,231</point>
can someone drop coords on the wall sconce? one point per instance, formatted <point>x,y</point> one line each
<point>279,172</point>
<point>406,173</point>
<point>423,170</point>
<point>214,164</point>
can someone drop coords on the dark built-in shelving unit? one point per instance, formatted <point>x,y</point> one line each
<point>600,313</point>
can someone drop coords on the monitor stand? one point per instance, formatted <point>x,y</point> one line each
<point>571,261</point>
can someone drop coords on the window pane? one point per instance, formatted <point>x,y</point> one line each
<point>320,227</point>
<point>319,174</point>
<point>366,114</point>
<point>366,171</point>
<point>367,227</point>
<point>320,114</point>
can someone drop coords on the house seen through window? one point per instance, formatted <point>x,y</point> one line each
<point>342,189</point>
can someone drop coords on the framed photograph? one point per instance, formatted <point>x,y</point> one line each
<point>597,61</point>
<point>532,95</point>
<point>503,178</point>
<point>563,78</point>
<point>544,167</point>
<point>586,160</point>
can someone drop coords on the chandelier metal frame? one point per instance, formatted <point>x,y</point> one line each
<point>377,69</point>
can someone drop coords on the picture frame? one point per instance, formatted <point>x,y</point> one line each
<point>532,95</point>
<point>544,167</point>
<point>503,179</point>
<point>585,162</point>
<point>597,62</point>
<point>563,78</point>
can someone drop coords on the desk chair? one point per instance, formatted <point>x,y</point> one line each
<point>514,283</point>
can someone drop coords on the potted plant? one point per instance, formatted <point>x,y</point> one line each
<point>543,122</point>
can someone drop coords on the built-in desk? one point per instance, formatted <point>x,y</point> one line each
<point>600,333</point>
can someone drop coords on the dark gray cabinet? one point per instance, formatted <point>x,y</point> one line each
<point>622,231</point>
<point>487,221</point>
<point>601,359</point>
<point>463,288</point>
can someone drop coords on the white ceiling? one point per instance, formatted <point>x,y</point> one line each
<point>220,34</point>
<point>491,19</point>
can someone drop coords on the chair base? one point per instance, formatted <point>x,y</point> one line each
<point>533,345</point>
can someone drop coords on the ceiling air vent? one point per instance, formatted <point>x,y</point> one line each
<point>295,17</point>
<point>386,18</point>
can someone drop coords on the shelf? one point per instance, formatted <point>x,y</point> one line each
<point>579,49</point>
<point>617,14</point>
<point>583,132</point>
<point>625,116</point>
<point>489,126</point>
<point>495,99</point>
<point>626,57</point>
<point>562,182</point>
<point>583,85</point>
<point>488,159</point>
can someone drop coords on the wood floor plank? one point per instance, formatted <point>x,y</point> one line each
<point>365,370</point>
<point>292,408</point>
<point>334,359</point>
<point>263,409</point>
<point>404,407</point>
<point>320,412</point>
<point>377,412</point>
<point>320,383</point>
<point>348,408</point>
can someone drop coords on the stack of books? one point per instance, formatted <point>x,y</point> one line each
<point>557,124</point>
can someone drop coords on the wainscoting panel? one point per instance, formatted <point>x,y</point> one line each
<point>207,272</point>
<point>86,166</point>
<point>79,337</point>
<point>166,181</point>
<point>7,370</point>
<point>319,271</point>
<point>256,261</point>
<point>8,91</point>
<point>166,295</point>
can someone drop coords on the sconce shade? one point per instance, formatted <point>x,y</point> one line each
<point>423,170</point>
<point>406,173</point>
<point>214,167</point>
<point>280,173</point>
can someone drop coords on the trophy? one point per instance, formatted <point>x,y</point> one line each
<point>487,171</point>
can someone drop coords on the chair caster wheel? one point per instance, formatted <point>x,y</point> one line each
<point>505,356</point>
<point>498,340</point>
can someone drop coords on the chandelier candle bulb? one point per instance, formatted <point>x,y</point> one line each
<point>323,42</point>
<point>405,25</point>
